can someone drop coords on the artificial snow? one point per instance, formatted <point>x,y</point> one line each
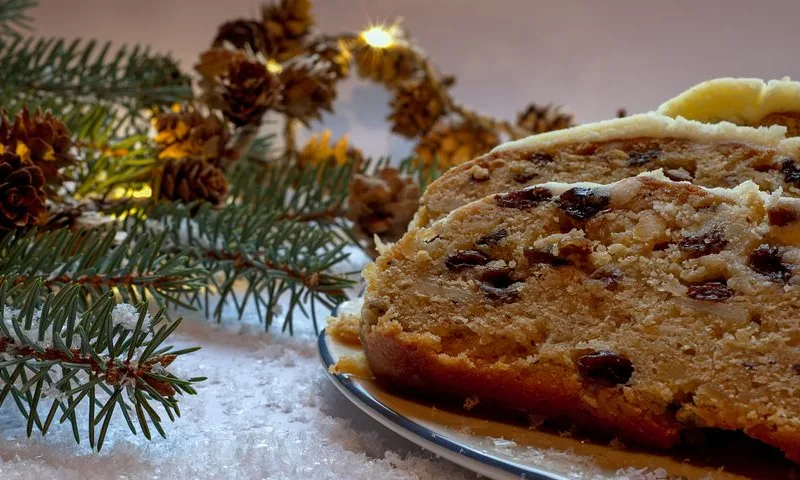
<point>267,411</point>
<point>127,316</point>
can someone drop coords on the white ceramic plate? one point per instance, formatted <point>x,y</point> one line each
<point>502,451</point>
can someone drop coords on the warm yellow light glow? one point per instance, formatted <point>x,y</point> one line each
<point>378,37</point>
<point>274,67</point>
<point>144,192</point>
<point>122,192</point>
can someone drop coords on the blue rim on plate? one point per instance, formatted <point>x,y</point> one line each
<point>343,382</point>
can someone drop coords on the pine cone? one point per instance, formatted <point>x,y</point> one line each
<point>308,89</point>
<point>448,145</point>
<point>243,33</point>
<point>248,90</point>
<point>540,119</point>
<point>286,25</point>
<point>40,138</point>
<point>382,204</point>
<point>334,52</point>
<point>190,134</point>
<point>190,179</point>
<point>389,66</point>
<point>22,196</point>
<point>415,108</point>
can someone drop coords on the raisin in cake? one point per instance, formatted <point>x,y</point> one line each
<point>715,155</point>
<point>743,101</point>
<point>641,308</point>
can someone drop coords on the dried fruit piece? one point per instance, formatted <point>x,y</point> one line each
<point>535,256</point>
<point>493,238</point>
<point>766,260</point>
<point>637,159</point>
<point>703,243</point>
<point>605,368</point>
<point>782,215</point>
<point>583,203</point>
<point>463,259</point>
<point>712,290</point>
<point>503,295</point>
<point>523,199</point>
<point>499,277</point>
<point>790,171</point>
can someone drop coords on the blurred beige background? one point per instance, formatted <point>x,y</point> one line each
<point>593,56</point>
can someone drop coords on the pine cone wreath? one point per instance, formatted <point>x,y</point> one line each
<point>309,88</point>
<point>382,204</point>
<point>286,25</point>
<point>247,91</point>
<point>191,179</point>
<point>334,52</point>
<point>22,195</point>
<point>389,66</point>
<point>40,138</point>
<point>190,134</point>
<point>243,34</point>
<point>540,119</point>
<point>447,145</point>
<point>416,107</point>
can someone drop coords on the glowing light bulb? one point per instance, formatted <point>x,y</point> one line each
<point>378,37</point>
<point>274,67</point>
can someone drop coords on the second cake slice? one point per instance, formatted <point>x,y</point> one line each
<point>718,155</point>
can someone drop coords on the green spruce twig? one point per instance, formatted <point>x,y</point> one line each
<point>14,17</point>
<point>99,261</point>
<point>108,358</point>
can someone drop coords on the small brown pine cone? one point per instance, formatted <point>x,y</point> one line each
<point>40,138</point>
<point>243,34</point>
<point>447,145</point>
<point>382,204</point>
<point>333,51</point>
<point>22,196</point>
<point>286,25</point>
<point>191,179</point>
<point>415,108</point>
<point>540,119</point>
<point>309,88</point>
<point>190,134</point>
<point>248,90</point>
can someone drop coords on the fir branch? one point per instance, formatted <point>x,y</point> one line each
<point>87,82</point>
<point>14,17</point>
<point>98,261</point>
<point>58,357</point>
<point>238,243</point>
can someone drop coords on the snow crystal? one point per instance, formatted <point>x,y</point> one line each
<point>51,391</point>
<point>128,316</point>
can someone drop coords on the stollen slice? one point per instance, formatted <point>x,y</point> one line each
<point>642,308</point>
<point>715,155</point>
